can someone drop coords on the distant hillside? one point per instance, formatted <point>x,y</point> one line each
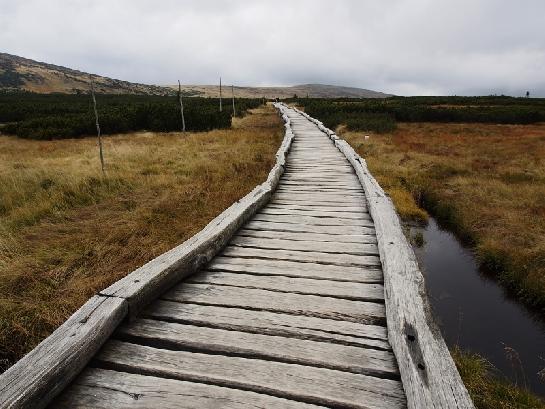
<point>311,90</point>
<point>18,73</point>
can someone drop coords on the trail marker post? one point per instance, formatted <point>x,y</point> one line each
<point>233,92</point>
<point>181,105</point>
<point>97,124</point>
<point>220,95</point>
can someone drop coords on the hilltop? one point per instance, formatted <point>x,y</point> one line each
<point>304,90</point>
<point>23,74</point>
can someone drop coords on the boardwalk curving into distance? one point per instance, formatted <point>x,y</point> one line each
<point>291,313</point>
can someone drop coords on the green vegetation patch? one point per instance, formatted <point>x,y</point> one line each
<point>57,116</point>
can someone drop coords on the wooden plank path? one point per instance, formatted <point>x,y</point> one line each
<point>290,313</point>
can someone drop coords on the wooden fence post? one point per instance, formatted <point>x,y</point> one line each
<point>181,105</point>
<point>220,95</point>
<point>233,91</point>
<point>97,124</point>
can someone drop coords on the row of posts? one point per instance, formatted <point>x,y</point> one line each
<point>101,154</point>
<point>221,107</point>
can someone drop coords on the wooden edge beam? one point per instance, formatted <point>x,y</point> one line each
<point>429,375</point>
<point>148,282</point>
<point>46,370</point>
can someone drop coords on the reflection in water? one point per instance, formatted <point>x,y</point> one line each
<point>475,313</point>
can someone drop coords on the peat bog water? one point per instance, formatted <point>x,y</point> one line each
<point>475,313</point>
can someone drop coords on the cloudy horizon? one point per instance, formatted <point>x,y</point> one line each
<point>403,47</point>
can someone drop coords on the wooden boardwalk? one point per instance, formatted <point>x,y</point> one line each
<point>291,313</point>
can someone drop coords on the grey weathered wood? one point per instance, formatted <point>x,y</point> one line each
<point>304,256</point>
<point>322,197</point>
<point>346,358</point>
<point>309,237</point>
<point>289,303</point>
<point>181,105</point>
<point>100,148</point>
<point>105,389</point>
<point>45,371</point>
<point>429,376</point>
<point>149,281</point>
<point>296,269</point>
<point>362,207</point>
<point>338,289</point>
<point>315,213</point>
<point>312,220</point>
<point>273,323</point>
<point>307,228</point>
<point>283,244</point>
<point>48,368</point>
<point>320,386</point>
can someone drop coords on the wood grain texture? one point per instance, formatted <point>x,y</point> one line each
<point>300,245</point>
<point>296,269</point>
<point>168,335</point>
<point>309,237</point>
<point>273,323</point>
<point>308,228</point>
<point>289,303</point>
<point>429,376</point>
<point>327,288</point>
<point>106,389</point>
<point>45,371</point>
<point>304,256</point>
<point>320,386</point>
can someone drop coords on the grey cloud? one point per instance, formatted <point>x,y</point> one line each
<point>398,46</point>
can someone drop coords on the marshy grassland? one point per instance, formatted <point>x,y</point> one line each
<point>486,182</point>
<point>67,230</point>
<point>489,390</point>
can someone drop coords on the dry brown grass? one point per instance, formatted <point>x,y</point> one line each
<point>66,231</point>
<point>486,181</point>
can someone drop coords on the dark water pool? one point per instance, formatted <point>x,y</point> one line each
<point>475,313</point>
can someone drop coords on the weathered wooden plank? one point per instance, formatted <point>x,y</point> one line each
<point>296,269</point>
<point>309,237</point>
<point>346,358</point>
<point>304,256</point>
<point>316,203</point>
<point>289,303</point>
<point>301,383</point>
<point>44,372</point>
<point>337,289</point>
<point>429,375</point>
<point>317,189</point>
<point>315,221</point>
<point>308,228</point>
<point>362,215</point>
<point>318,246</point>
<point>361,208</point>
<point>272,323</point>
<point>328,186</point>
<point>106,389</point>
<point>322,196</point>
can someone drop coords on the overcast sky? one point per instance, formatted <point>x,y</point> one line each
<point>405,47</point>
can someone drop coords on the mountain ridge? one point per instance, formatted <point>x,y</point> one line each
<point>24,74</point>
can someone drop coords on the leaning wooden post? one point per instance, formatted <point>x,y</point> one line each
<point>220,95</point>
<point>233,91</point>
<point>181,105</point>
<point>97,124</point>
